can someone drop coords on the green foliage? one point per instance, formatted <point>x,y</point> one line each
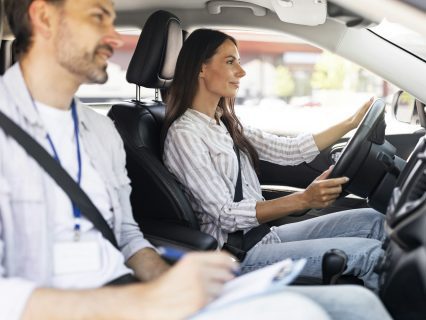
<point>284,83</point>
<point>406,99</point>
<point>329,72</point>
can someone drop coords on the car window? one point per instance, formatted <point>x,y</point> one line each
<point>292,86</point>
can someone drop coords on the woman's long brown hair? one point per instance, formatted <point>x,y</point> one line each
<point>197,50</point>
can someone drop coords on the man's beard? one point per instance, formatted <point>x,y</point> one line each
<point>77,61</point>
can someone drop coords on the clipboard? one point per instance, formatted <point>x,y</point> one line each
<point>266,280</point>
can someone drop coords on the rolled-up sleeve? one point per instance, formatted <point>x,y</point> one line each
<point>283,150</point>
<point>188,158</point>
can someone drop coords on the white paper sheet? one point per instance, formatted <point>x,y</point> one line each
<point>260,281</point>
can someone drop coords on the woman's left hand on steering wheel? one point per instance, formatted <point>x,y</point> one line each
<point>355,120</point>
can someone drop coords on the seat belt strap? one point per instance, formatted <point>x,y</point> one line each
<point>61,177</point>
<point>239,243</point>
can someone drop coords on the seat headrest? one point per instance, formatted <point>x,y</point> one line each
<point>1,20</point>
<point>7,55</point>
<point>154,60</point>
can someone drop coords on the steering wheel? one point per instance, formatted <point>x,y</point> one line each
<point>370,130</point>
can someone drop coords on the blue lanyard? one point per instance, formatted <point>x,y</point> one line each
<point>75,209</point>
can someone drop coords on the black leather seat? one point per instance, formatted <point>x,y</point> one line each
<point>7,55</point>
<point>1,19</point>
<point>159,205</point>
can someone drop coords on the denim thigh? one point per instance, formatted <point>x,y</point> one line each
<point>363,223</point>
<point>362,253</point>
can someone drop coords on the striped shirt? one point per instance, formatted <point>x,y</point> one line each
<point>199,153</point>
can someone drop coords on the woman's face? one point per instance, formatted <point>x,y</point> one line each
<point>221,75</point>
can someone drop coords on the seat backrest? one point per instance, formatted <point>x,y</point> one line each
<point>155,192</point>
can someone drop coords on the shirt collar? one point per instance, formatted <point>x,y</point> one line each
<point>15,83</point>
<point>20,95</point>
<point>203,118</point>
<point>82,116</point>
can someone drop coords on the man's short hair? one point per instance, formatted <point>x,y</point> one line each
<point>19,22</point>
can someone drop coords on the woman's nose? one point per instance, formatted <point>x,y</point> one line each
<point>241,73</point>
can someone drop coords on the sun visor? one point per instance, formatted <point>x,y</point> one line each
<point>304,12</point>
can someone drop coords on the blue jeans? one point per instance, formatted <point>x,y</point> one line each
<point>359,233</point>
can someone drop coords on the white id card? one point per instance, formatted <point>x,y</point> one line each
<point>76,256</point>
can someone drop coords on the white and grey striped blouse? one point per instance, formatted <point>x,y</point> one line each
<point>199,152</point>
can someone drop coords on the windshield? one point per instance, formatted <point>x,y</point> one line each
<point>403,37</point>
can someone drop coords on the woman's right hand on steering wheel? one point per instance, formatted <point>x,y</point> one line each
<point>322,192</point>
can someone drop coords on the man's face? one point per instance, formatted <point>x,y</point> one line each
<point>86,38</point>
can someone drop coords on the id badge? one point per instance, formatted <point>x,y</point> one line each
<point>76,256</point>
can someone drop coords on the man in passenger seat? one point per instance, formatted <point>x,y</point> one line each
<point>54,263</point>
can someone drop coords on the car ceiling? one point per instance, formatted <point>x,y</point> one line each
<point>367,10</point>
<point>344,9</point>
<point>402,12</point>
<point>143,5</point>
<point>343,32</point>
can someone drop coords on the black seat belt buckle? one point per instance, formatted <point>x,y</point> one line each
<point>236,252</point>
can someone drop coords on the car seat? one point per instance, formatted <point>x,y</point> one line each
<point>159,205</point>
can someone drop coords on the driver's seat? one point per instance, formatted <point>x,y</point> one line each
<point>159,205</point>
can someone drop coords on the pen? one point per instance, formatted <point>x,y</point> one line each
<point>173,255</point>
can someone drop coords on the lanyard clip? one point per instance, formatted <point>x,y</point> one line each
<point>77,230</point>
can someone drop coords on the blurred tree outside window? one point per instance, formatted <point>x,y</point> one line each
<point>284,83</point>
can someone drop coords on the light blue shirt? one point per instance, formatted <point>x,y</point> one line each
<point>26,208</point>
